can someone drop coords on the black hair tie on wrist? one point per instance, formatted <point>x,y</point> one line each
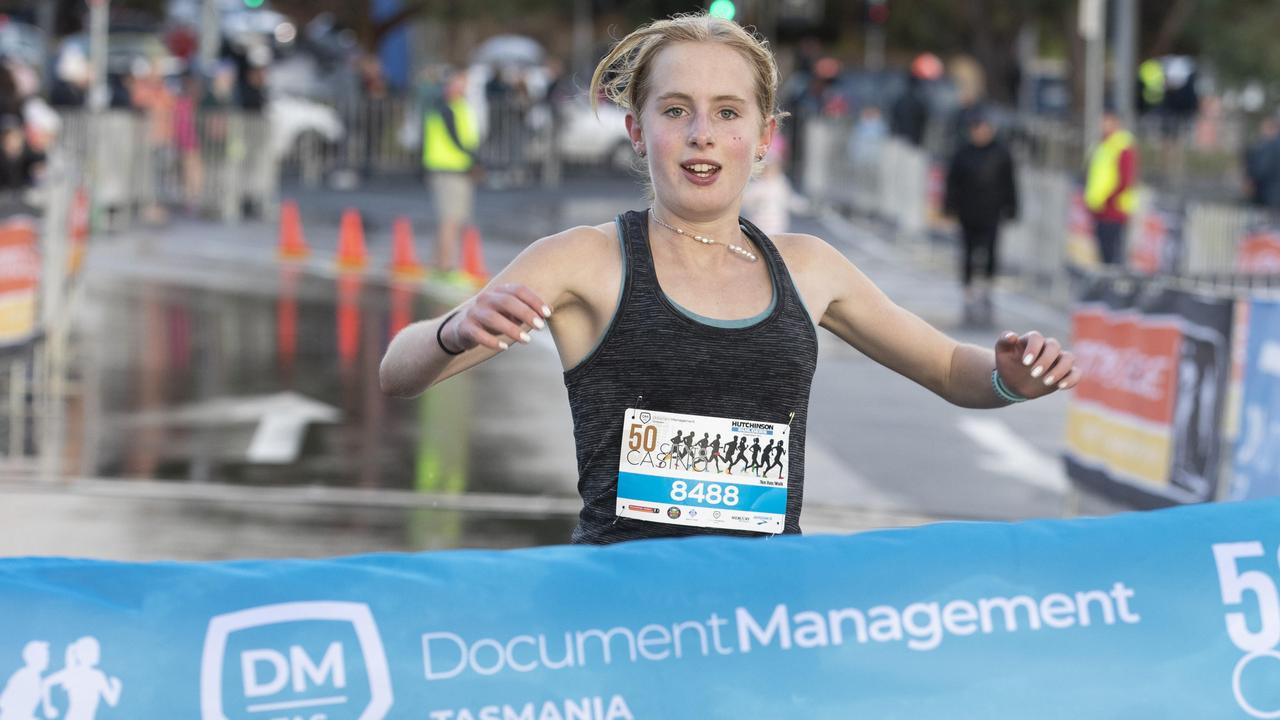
<point>440,342</point>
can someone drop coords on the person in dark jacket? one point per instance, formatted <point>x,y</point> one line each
<point>1262,165</point>
<point>981,193</point>
<point>909,114</point>
<point>19,164</point>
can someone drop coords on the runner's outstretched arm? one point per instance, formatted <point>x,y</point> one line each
<point>520,300</point>
<point>863,316</point>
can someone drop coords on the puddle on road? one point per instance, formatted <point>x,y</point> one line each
<point>186,384</point>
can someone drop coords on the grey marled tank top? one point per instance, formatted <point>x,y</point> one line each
<point>653,356</point>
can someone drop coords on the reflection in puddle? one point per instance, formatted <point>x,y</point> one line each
<point>191,384</point>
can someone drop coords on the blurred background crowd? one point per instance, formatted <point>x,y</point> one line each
<point>345,85</point>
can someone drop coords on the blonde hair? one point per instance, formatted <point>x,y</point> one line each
<point>623,74</point>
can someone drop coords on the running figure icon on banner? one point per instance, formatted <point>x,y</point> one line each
<point>81,680</point>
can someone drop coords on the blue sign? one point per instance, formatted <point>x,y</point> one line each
<point>1257,457</point>
<point>1169,614</point>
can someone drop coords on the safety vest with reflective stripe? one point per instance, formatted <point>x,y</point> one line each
<point>1104,175</point>
<point>439,151</point>
<point>1151,74</point>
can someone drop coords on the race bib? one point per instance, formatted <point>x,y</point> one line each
<point>703,471</point>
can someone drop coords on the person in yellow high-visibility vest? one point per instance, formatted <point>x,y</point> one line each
<point>1110,188</point>
<point>449,142</point>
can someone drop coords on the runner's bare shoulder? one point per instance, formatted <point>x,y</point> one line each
<point>803,252</point>
<point>585,262</point>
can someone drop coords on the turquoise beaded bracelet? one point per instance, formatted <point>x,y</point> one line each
<point>1005,393</point>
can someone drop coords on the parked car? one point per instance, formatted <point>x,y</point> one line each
<point>595,137</point>
<point>296,121</point>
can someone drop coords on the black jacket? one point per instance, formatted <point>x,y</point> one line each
<point>980,185</point>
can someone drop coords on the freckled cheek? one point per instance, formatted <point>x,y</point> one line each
<point>742,147</point>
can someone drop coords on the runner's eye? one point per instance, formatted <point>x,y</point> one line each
<point>673,112</point>
<point>728,114</point>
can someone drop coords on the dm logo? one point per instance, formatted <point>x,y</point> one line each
<point>295,660</point>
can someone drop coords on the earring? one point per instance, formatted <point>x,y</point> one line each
<point>640,150</point>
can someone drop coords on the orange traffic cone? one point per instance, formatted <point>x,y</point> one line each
<point>351,251</point>
<point>404,259</point>
<point>292,244</point>
<point>473,256</point>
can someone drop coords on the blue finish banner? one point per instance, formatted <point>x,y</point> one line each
<point>1168,614</point>
<point>1257,457</point>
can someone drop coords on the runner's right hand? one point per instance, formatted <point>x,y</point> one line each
<point>498,312</point>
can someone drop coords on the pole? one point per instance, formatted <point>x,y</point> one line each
<point>874,59</point>
<point>1093,29</point>
<point>1125,66</point>
<point>583,34</point>
<point>1028,45</point>
<point>47,21</point>
<point>210,37</point>
<point>99,94</point>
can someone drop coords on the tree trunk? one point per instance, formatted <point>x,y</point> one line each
<point>1175,21</point>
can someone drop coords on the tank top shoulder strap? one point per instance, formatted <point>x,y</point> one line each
<point>634,226</point>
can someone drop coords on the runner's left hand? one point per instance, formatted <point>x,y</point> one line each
<point>1034,366</point>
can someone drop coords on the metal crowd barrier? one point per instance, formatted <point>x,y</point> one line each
<point>1036,245</point>
<point>383,136</point>
<point>36,380</point>
<point>890,181</point>
<point>219,167</point>
<point>1215,231</point>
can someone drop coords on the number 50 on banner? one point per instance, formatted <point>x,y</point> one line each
<point>1263,642</point>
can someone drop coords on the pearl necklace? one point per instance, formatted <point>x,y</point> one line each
<point>741,251</point>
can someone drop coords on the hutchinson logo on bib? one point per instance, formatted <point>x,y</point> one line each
<point>301,658</point>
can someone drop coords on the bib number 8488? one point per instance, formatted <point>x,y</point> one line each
<point>700,492</point>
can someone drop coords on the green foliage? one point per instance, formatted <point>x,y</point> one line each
<point>1238,37</point>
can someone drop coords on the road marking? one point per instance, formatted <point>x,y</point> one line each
<point>281,419</point>
<point>1010,455</point>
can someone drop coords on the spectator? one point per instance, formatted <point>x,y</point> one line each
<point>253,93</point>
<point>980,193</point>
<point>187,141</point>
<point>71,80</point>
<point>19,164</point>
<point>151,96</point>
<point>10,97</point>
<point>450,139</point>
<point>1262,165</point>
<point>1110,191</point>
<point>364,115</point>
<point>867,136</point>
<point>909,116</point>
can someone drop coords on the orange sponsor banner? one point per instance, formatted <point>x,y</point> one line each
<point>1129,362</point>
<point>1145,423</point>
<point>19,281</point>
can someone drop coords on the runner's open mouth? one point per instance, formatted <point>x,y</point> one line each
<point>701,169</point>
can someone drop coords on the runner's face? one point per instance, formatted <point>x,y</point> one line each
<point>701,110</point>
